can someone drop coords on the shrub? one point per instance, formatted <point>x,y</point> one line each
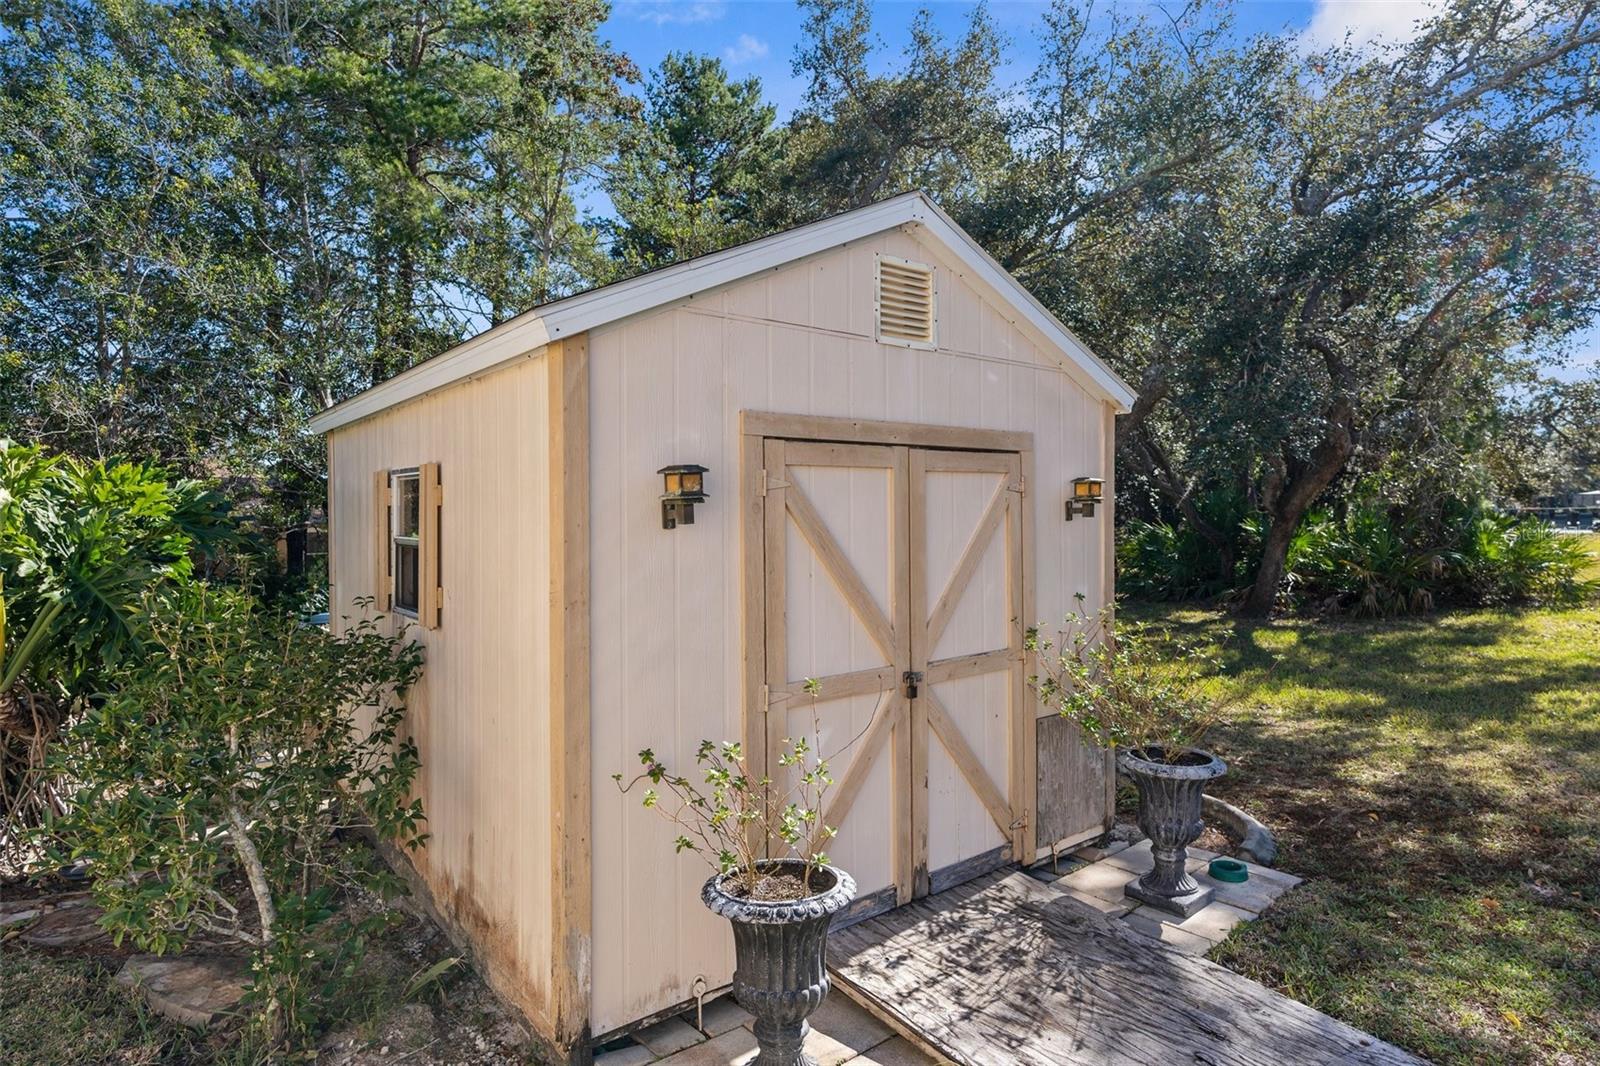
<point>1503,559</point>
<point>1160,561</point>
<point>1364,564</point>
<point>80,544</point>
<point>210,790</point>
<point>1379,562</point>
<point>1126,685</point>
<point>1163,561</point>
<point>728,818</point>
<point>1374,559</point>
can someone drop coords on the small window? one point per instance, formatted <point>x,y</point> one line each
<point>906,297</point>
<point>405,536</point>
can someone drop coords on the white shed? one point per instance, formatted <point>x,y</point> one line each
<point>891,426</point>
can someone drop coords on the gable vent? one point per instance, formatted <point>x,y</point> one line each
<point>905,302</point>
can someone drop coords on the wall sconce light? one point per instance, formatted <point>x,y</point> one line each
<point>1086,492</point>
<point>686,486</point>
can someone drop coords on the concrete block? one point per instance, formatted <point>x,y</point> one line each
<point>1102,879</point>
<point>1169,934</point>
<point>1215,921</point>
<point>1111,909</point>
<point>721,1015</point>
<point>636,1055</point>
<point>672,1035</point>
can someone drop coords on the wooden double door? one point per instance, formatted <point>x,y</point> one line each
<point>894,581</point>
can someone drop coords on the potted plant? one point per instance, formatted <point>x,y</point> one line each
<point>779,905</point>
<point>1144,694</point>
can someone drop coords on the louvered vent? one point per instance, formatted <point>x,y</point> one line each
<point>905,302</point>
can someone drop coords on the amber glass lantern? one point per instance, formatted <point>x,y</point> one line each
<point>685,486</point>
<point>1086,492</point>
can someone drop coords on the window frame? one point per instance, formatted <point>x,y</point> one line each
<point>396,540</point>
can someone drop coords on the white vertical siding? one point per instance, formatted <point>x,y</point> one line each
<point>666,606</point>
<point>479,714</point>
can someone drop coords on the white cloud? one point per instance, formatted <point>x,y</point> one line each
<point>1367,22</point>
<point>663,12</point>
<point>745,49</point>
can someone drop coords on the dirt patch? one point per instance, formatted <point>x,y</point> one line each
<point>62,1004</point>
<point>779,887</point>
<point>1213,839</point>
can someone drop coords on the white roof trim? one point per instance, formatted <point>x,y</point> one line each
<point>525,334</point>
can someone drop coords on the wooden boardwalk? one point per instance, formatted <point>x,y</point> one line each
<point>1005,970</point>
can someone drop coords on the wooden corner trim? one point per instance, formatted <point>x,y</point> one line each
<point>571,867</point>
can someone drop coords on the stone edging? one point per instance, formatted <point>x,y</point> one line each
<point>1257,843</point>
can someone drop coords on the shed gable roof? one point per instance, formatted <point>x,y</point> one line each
<point>533,329</point>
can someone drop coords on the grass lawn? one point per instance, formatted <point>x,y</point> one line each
<point>66,1012</point>
<point>1438,783</point>
<point>1592,542</point>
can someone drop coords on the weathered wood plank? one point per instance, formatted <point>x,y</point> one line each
<point>571,857</point>
<point>1071,793</point>
<point>1005,969</point>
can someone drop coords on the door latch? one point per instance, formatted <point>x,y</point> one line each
<point>912,679</point>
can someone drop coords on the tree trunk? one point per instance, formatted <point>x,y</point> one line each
<point>28,714</point>
<point>1263,593</point>
<point>1300,490</point>
<point>255,872</point>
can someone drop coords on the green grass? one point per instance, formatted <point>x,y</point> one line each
<point>66,1012</point>
<point>1591,541</point>
<point>1438,783</point>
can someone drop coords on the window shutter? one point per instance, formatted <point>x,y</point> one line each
<point>430,582</point>
<point>905,302</point>
<point>382,550</point>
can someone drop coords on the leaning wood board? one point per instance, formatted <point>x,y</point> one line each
<point>1007,970</point>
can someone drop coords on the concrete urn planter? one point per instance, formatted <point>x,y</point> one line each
<point>780,949</point>
<point>1169,814</point>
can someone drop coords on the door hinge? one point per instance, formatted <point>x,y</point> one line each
<point>911,679</point>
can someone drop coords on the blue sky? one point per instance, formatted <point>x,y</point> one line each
<point>758,37</point>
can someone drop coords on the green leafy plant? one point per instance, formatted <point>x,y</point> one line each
<point>430,977</point>
<point>1508,560</point>
<point>1126,685</point>
<point>1382,561</point>
<point>81,541</point>
<point>728,817</point>
<point>80,544</point>
<point>1372,557</point>
<point>212,790</point>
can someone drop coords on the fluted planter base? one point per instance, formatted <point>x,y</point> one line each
<point>780,957</point>
<point>1182,905</point>
<point>1169,814</point>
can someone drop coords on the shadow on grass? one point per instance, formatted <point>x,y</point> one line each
<point>1438,779</point>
